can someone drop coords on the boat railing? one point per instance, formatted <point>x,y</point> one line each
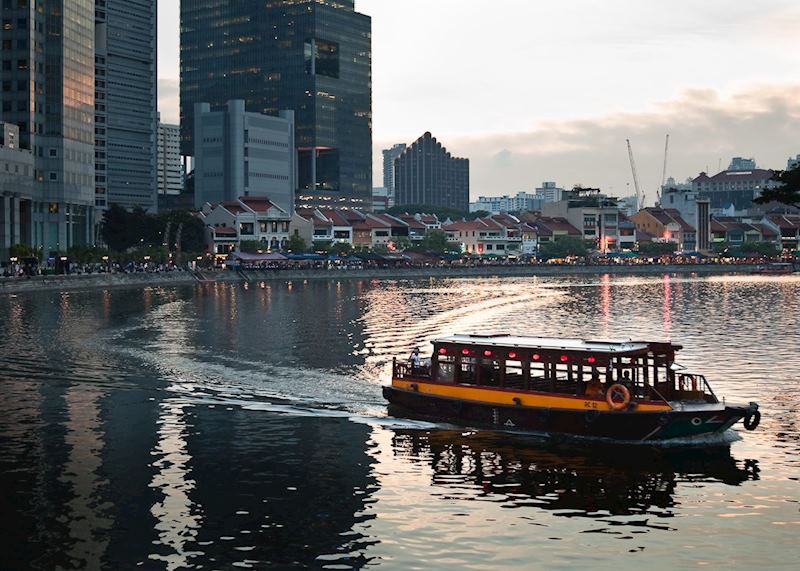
<point>689,386</point>
<point>407,370</point>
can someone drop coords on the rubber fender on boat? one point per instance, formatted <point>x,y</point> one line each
<point>752,420</point>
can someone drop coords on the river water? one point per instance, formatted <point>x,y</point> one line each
<point>224,426</point>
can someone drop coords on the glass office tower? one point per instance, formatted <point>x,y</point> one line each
<point>48,92</point>
<point>426,173</point>
<point>309,56</point>
<point>125,108</point>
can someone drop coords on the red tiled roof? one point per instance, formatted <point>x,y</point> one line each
<point>390,220</point>
<point>233,206</point>
<point>784,221</point>
<point>224,231</point>
<point>257,204</point>
<point>548,226</point>
<point>765,230</point>
<point>336,217</point>
<point>461,225</point>
<point>412,222</point>
<point>676,216</point>
<point>754,174</point>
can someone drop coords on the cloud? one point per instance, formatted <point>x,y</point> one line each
<point>706,129</point>
<point>169,100</point>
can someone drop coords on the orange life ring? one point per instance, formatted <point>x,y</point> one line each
<point>618,390</point>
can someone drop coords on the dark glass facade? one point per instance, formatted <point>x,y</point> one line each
<point>309,56</point>
<point>125,106</point>
<point>48,92</point>
<point>425,173</point>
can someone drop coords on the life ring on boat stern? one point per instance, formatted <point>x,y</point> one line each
<point>613,394</point>
<point>752,420</point>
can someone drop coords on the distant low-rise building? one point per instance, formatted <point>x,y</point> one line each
<point>551,228</point>
<point>667,225</point>
<point>254,219</point>
<point>549,192</point>
<point>793,163</point>
<point>735,232</point>
<point>787,226</point>
<point>596,214</point>
<point>380,199</point>
<point>520,202</point>
<point>731,192</point>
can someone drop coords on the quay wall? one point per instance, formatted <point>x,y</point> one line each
<point>167,279</point>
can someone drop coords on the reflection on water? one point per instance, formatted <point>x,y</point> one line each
<point>226,425</point>
<point>573,482</point>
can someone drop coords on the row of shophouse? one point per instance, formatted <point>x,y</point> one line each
<point>593,218</point>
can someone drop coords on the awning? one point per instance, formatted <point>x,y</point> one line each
<point>244,257</point>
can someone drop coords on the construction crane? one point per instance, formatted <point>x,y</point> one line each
<point>639,194</point>
<point>664,172</point>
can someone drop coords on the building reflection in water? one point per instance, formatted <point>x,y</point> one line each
<point>518,472</point>
<point>177,516</point>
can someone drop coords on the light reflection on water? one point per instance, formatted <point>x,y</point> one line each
<point>223,425</point>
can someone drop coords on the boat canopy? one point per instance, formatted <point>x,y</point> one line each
<point>555,344</point>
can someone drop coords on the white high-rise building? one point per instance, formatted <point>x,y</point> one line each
<point>389,156</point>
<point>170,166</point>
<point>549,192</point>
<point>242,154</point>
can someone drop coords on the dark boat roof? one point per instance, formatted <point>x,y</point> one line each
<point>555,344</point>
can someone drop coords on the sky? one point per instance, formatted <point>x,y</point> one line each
<point>532,90</point>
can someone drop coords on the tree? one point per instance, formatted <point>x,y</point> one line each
<point>21,251</point>
<point>787,190</point>
<point>116,229</point>
<point>321,247</point>
<point>658,248</point>
<point>402,243</point>
<point>341,249</point>
<point>563,247</point>
<point>250,246</point>
<point>441,212</point>
<point>435,242</point>
<point>766,249</point>
<point>478,214</point>
<point>296,244</point>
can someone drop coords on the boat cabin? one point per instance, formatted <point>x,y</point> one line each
<point>564,366</point>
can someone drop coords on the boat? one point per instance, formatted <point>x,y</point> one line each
<point>775,269</point>
<point>572,388</point>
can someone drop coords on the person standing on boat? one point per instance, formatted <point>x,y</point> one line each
<point>414,360</point>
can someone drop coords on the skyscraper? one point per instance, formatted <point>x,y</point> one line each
<point>48,92</point>
<point>426,174</point>
<point>389,156</point>
<point>126,115</point>
<point>170,166</point>
<point>309,56</point>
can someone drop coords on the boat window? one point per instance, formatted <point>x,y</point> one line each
<point>467,374</point>
<point>539,376</point>
<point>514,376</point>
<point>447,369</point>
<point>489,374</point>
